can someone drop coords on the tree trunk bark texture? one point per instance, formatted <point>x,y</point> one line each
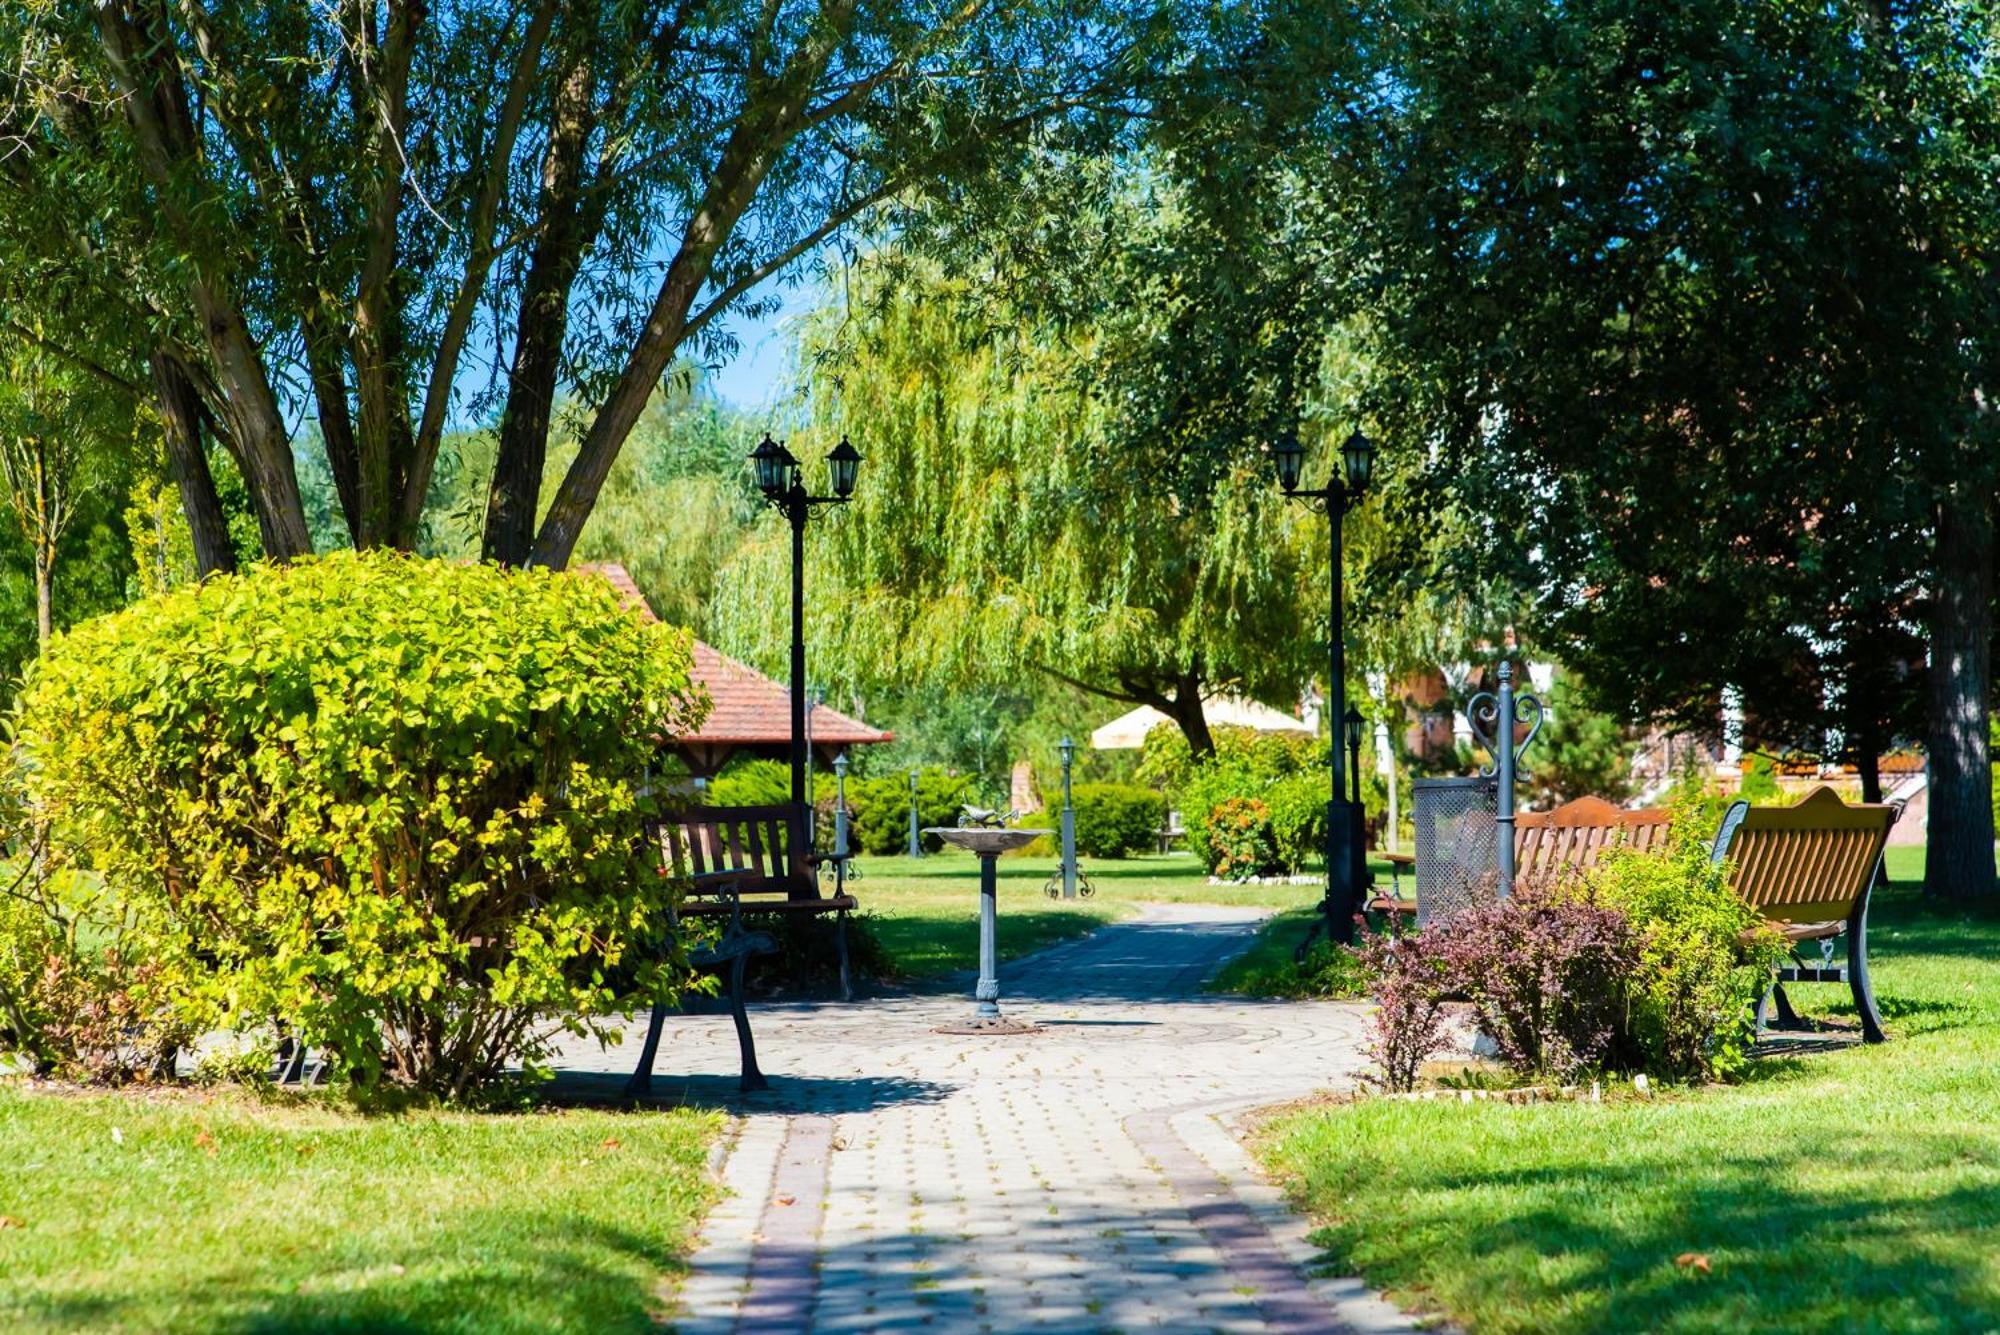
<point>513,498</point>
<point>181,410</point>
<point>1958,854</point>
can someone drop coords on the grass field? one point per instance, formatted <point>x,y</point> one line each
<point>925,911</point>
<point>1853,1190</point>
<point>175,1213</point>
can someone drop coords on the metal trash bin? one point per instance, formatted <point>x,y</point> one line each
<point>1457,844</point>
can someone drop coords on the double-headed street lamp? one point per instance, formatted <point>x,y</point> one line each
<point>781,479</point>
<point>1346,869</point>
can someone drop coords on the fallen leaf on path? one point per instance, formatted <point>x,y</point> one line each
<point>786,1200</point>
<point>1693,1261</point>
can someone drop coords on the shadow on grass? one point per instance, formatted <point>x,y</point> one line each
<point>1781,1258</point>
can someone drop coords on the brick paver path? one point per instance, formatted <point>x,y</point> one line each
<point>1084,1178</point>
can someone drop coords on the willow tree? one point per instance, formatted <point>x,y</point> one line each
<point>344,208</point>
<point>998,530</point>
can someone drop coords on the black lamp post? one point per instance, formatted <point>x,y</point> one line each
<point>1346,872</point>
<point>780,477</point>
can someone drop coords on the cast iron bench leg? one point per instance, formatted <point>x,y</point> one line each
<point>1787,1017</point>
<point>752,1078</point>
<point>1857,978</point>
<point>640,1086</point>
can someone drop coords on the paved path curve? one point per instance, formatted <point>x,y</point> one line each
<point>1084,1178</point>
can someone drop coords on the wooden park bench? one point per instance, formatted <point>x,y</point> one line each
<point>741,862</point>
<point>1809,869</point>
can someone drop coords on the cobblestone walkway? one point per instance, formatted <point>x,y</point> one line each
<point>1084,1178</point>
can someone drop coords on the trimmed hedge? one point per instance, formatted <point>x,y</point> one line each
<point>1115,820</point>
<point>395,802</point>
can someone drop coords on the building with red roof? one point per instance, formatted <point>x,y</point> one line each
<point>749,713</point>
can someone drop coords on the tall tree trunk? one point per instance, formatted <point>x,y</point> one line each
<point>513,498</point>
<point>44,595</point>
<point>181,410</point>
<point>1191,718</point>
<point>1958,857</point>
<point>142,50</point>
<point>1868,761</point>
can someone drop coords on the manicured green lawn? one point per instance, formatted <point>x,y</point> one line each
<point>926,910</point>
<point>1854,1190</point>
<point>168,1213</point>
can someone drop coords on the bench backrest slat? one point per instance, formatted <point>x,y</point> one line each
<point>1577,835</point>
<point>747,849</point>
<point>1807,863</point>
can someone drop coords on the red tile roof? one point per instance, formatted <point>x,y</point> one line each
<point>748,707</point>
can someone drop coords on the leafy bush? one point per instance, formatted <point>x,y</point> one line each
<point>1649,962</point>
<point>1410,980</point>
<point>1705,957</point>
<point>1298,817</point>
<point>392,801</point>
<point>1239,839</point>
<point>878,808</point>
<point>1759,785</point>
<point>881,807</point>
<point>1285,772</point>
<point>755,783</point>
<point>1115,820</point>
<point>1547,973</point>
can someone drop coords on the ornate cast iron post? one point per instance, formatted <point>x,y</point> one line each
<point>1501,709</point>
<point>1346,865</point>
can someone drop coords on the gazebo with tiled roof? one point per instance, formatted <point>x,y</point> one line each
<point>749,714</point>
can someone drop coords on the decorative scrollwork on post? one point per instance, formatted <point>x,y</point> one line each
<point>1500,713</point>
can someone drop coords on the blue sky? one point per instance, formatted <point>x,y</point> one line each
<point>756,375</point>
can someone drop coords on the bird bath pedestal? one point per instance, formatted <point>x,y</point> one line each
<point>988,844</point>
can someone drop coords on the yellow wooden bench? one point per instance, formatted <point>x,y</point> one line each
<point>1809,869</point>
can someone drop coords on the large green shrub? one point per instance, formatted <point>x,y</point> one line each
<point>754,783</point>
<point>1283,773</point>
<point>881,808</point>
<point>1705,958</point>
<point>395,802</point>
<point>1114,820</point>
